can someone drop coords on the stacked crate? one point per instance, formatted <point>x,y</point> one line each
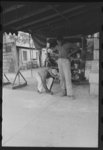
<point>94,74</point>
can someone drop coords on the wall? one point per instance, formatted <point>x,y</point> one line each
<point>12,59</point>
<point>31,55</point>
<point>9,58</point>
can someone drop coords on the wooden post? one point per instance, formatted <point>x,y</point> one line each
<point>15,56</point>
<point>39,54</point>
<point>83,54</point>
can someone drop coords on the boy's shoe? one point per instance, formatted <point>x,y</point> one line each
<point>49,92</point>
<point>39,92</point>
<point>71,96</point>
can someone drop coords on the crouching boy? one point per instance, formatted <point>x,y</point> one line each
<point>45,78</point>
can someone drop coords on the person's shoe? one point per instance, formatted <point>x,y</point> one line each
<point>71,96</point>
<point>49,92</point>
<point>39,92</point>
<point>63,93</point>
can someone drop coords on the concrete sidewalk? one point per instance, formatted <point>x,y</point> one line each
<point>32,119</point>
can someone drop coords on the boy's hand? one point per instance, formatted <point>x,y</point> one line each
<point>51,93</point>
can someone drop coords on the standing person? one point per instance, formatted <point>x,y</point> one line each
<point>50,61</point>
<point>64,66</point>
<point>45,78</point>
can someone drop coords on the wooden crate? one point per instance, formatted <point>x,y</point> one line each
<point>94,77</point>
<point>95,66</point>
<point>96,55</point>
<point>94,89</point>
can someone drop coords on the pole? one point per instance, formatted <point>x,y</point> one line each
<point>47,46</point>
<point>84,53</point>
<point>30,55</point>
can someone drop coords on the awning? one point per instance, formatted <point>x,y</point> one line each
<point>45,19</point>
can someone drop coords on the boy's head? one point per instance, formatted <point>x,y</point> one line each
<point>54,71</point>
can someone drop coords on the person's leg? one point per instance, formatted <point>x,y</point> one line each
<point>62,79</point>
<point>49,83</point>
<point>39,83</point>
<point>67,74</point>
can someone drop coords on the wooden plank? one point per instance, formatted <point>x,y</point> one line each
<point>29,48</point>
<point>7,56</point>
<point>7,53</point>
<point>6,68</point>
<point>94,89</point>
<point>5,62</point>
<point>12,8</point>
<point>5,65</point>
<point>19,86</point>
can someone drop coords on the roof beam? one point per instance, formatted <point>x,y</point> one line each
<point>45,24</point>
<point>87,24</point>
<point>29,48</point>
<point>60,28</point>
<point>73,15</point>
<point>29,15</point>
<point>12,8</point>
<point>58,19</point>
<point>50,17</point>
<point>60,13</point>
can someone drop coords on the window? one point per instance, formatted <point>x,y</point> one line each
<point>36,55</point>
<point>8,48</point>
<point>24,55</point>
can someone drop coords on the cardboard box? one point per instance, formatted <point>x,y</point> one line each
<point>94,89</point>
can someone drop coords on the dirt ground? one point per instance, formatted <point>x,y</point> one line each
<point>33,119</point>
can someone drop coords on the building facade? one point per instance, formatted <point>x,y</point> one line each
<point>19,53</point>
